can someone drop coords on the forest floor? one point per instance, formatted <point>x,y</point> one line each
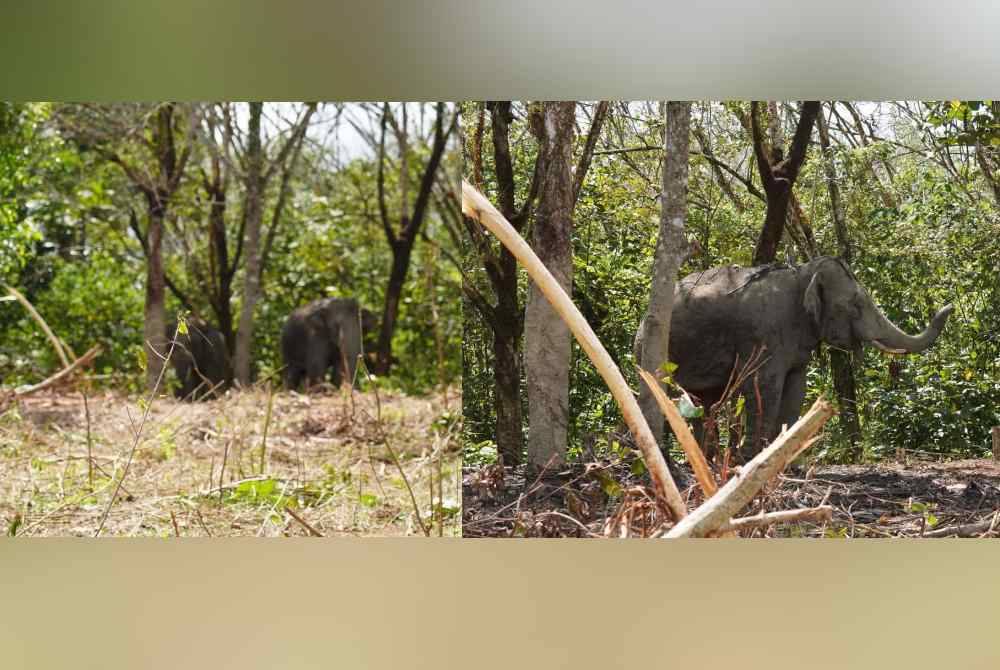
<point>199,469</point>
<point>890,499</point>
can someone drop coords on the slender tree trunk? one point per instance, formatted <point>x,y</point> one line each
<point>840,361</point>
<point>507,389</point>
<point>254,213</point>
<point>547,341</point>
<point>671,249</point>
<point>155,318</point>
<point>393,295</point>
<point>222,277</point>
<point>507,317</point>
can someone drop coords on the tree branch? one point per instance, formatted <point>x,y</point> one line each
<point>593,134</point>
<point>380,179</point>
<point>757,136</point>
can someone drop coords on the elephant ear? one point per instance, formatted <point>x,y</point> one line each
<point>813,300</point>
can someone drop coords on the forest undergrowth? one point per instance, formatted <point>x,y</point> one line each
<point>908,496</point>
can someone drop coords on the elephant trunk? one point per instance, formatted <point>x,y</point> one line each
<point>888,337</point>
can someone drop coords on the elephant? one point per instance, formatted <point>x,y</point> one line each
<point>728,311</point>
<point>200,360</point>
<point>326,334</point>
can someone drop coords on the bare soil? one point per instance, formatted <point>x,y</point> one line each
<point>892,499</point>
<point>205,469</point>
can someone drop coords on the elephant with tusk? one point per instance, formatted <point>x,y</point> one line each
<point>729,311</point>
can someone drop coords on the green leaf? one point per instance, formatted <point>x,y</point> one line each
<point>611,488</point>
<point>638,467</point>
<point>668,367</point>
<point>688,409</point>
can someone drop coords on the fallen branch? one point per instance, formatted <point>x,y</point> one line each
<point>968,529</point>
<point>717,511</point>
<point>305,524</point>
<point>476,206</point>
<point>682,430</point>
<point>821,513</point>
<point>84,360</point>
<point>57,344</point>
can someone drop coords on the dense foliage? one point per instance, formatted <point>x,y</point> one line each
<point>67,239</point>
<point>918,185</point>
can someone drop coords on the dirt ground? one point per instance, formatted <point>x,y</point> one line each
<point>204,469</point>
<point>894,499</point>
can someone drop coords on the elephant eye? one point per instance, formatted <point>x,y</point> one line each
<point>857,306</point>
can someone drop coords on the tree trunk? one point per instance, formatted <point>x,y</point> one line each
<point>840,361</point>
<point>547,341</point>
<point>155,317</point>
<point>778,178</point>
<point>402,243</point>
<point>254,214</point>
<point>222,277</point>
<point>393,294</point>
<point>506,317</point>
<point>671,249</point>
<point>507,393</point>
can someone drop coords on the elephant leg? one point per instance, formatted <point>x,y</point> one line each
<point>336,367</point>
<point>761,421</point>
<point>317,360</point>
<point>792,395</point>
<point>293,376</point>
<point>182,368</point>
<point>698,428</point>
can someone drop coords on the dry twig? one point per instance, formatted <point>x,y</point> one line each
<point>305,524</point>
<point>815,514</point>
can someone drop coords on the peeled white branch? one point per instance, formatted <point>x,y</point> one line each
<point>716,512</point>
<point>84,360</point>
<point>821,513</point>
<point>476,206</point>
<point>683,432</point>
<point>57,344</point>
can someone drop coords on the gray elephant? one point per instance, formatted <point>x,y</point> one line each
<point>326,334</point>
<point>728,311</point>
<point>200,360</point>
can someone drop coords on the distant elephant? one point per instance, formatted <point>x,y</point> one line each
<point>326,334</point>
<point>727,311</point>
<point>200,360</point>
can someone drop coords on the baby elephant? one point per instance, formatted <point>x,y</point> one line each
<point>200,359</point>
<point>326,334</point>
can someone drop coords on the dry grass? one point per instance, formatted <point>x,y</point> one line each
<point>327,466</point>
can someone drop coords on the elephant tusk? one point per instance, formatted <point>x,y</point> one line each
<point>886,349</point>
